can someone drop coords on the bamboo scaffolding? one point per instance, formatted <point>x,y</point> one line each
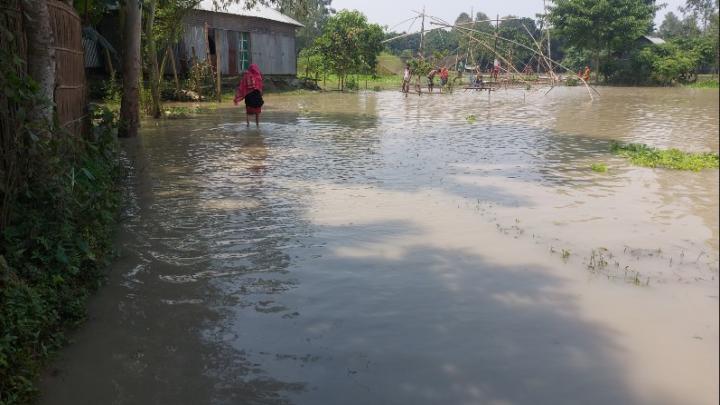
<point>537,52</point>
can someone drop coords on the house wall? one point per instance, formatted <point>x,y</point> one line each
<point>272,44</point>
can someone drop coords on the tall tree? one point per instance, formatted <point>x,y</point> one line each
<point>313,20</point>
<point>601,27</point>
<point>349,44</point>
<point>701,10</point>
<point>40,54</point>
<point>130,102</point>
<point>152,58</point>
<point>671,26</point>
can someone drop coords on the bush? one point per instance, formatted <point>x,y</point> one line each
<point>351,83</point>
<point>58,206</point>
<point>201,79</point>
<point>671,64</point>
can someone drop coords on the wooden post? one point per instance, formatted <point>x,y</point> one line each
<point>218,70</point>
<point>108,62</point>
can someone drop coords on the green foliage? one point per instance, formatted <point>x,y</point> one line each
<point>313,20</point>
<point>670,64</point>
<point>599,167</point>
<point>643,155</point>
<point>311,63</point>
<point>56,242</point>
<point>59,199</point>
<point>349,44</point>
<point>607,26</point>
<point>420,67</point>
<point>112,91</point>
<point>201,79</point>
<point>711,83</point>
<point>168,26</point>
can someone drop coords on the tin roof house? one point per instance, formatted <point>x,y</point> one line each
<point>242,36</point>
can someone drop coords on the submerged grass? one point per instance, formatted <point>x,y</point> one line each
<point>643,155</point>
<point>709,83</point>
<point>599,167</point>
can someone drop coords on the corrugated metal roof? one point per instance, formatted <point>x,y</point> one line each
<point>258,11</point>
<point>654,40</point>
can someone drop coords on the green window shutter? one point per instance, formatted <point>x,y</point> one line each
<point>243,50</point>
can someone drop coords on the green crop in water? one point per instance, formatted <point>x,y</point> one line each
<point>599,167</point>
<point>643,155</point>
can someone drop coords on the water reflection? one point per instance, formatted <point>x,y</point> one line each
<point>373,248</point>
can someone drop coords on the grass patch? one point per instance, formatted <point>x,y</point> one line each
<point>705,83</point>
<point>646,156</point>
<point>599,167</point>
<point>389,64</point>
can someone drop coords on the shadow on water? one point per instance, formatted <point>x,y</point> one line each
<point>428,326</point>
<point>228,292</point>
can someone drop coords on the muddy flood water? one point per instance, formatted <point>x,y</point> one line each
<point>375,249</point>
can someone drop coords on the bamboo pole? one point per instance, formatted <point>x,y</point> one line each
<point>447,25</point>
<point>218,70</point>
<point>108,62</point>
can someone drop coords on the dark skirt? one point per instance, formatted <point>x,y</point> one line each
<point>254,102</point>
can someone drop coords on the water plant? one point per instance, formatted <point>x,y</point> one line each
<point>471,118</point>
<point>646,156</point>
<point>599,167</point>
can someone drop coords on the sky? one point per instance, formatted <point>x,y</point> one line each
<point>392,12</point>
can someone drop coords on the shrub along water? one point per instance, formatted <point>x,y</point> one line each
<point>60,196</point>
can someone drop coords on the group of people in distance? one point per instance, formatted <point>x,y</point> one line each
<point>441,71</point>
<point>444,74</point>
<point>585,75</point>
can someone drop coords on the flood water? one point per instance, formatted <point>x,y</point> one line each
<point>375,249</point>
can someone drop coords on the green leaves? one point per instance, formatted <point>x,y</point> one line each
<point>61,220</point>
<point>601,25</point>
<point>643,155</point>
<point>349,44</point>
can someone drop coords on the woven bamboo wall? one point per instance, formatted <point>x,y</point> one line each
<point>70,66</point>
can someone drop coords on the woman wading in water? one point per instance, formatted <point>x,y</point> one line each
<point>250,89</point>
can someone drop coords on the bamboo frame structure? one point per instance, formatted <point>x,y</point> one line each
<point>472,34</point>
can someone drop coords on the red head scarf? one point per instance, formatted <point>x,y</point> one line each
<point>251,80</point>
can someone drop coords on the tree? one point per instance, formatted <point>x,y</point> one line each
<point>151,52</point>
<point>671,27</point>
<point>40,55</point>
<point>522,31</point>
<point>130,101</point>
<point>349,44</point>
<point>701,10</point>
<point>602,27</point>
<point>314,20</point>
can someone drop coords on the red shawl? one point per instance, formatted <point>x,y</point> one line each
<point>251,80</point>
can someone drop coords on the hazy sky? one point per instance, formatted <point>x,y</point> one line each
<point>392,12</point>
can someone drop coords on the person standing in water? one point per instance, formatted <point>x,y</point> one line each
<point>586,74</point>
<point>431,79</point>
<point>250,89</point>
<point>444,77</point>
<point>406,80</point>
